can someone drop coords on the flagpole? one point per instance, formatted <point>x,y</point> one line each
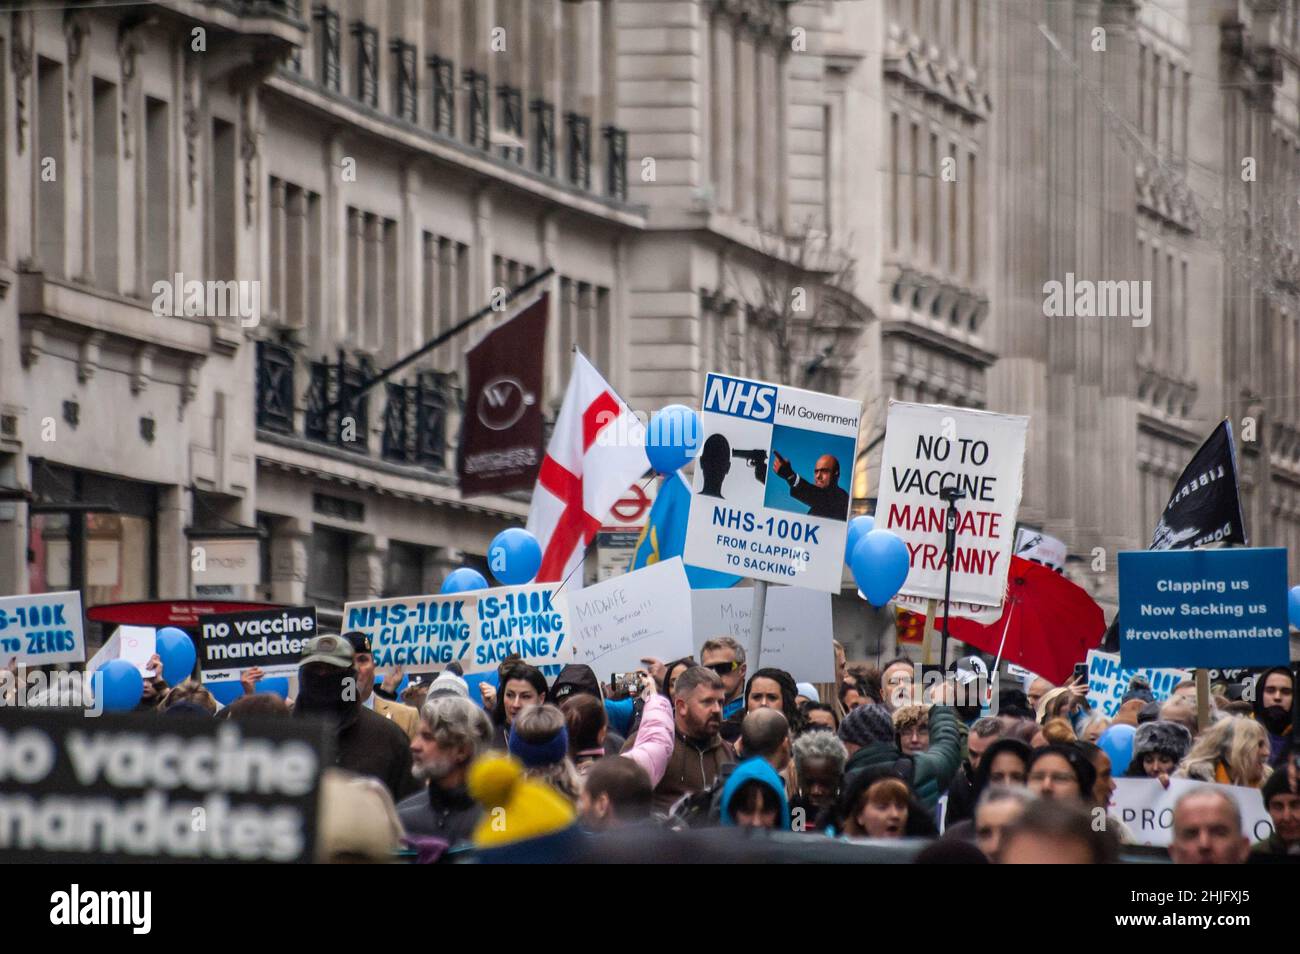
<point>442,338</point>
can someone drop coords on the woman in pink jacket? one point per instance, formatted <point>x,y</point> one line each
<point>587,724</point>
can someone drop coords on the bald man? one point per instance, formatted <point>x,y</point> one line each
<point>1207,829</point>
<point>824,496</point>
<point>765,734</point>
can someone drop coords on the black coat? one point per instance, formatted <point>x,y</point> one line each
<point>368,744</point>
<point>449,815</point>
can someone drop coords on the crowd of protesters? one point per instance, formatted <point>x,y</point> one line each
<point>709,744</point>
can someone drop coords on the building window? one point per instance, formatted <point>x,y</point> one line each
<point>543,137</point>
<point>157,201</point>
<point>48,208</point>
<point>404,574</point>
<point>480,121</point>
<point>327,568</point>
<point>443,75</point>
<point>222,210</point>
<point>512,120</point>
<point>579,150</point>
<point>329,43</point>
<point>406,93</point>
<point>106,239</point>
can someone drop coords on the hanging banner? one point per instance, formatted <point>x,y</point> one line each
<point>930,448</point>
<point>770,499</point>
<point>501,432</point>
<point>477,629</point>
<point>1204,608</point>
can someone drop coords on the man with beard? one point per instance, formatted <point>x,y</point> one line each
<point>699,752</point>
<point>1274,696</point>
<point>453,732</point>
<point>365,743</point>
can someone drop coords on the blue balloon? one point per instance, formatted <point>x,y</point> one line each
<point>1293,606</point>
<point>278,684</point>
<point>228,690</point>
<point>880,564</point>
<point>118,685</point>
<point>462,580</point>
<point>673,438</point>
<point>176,650</point>
<point>858,527</point>
<point>515,556</point>
<point>1117,742</point>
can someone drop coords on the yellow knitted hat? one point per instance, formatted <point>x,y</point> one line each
<point>518,808</point>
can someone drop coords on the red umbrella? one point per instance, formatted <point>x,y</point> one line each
<point>1048,624</point>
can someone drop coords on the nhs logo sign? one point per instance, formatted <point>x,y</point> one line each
<point>740,398</point>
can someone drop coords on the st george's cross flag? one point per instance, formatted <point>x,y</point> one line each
<point>597,451</point>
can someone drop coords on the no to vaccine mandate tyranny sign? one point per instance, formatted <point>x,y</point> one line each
<point>929,447</point>
<point>42,628</point>
<point>127,788</point>
<point>271,640</point>
<point>478,629</point>
<point>1203,608</point>
<point>772,485</point>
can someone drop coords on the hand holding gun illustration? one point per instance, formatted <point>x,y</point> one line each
<point>757,459</point>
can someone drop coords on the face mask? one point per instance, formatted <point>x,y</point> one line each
<point>323,691</point>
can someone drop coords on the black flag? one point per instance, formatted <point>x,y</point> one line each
<point>1204,509</point>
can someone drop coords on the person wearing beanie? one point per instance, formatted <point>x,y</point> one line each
<point>807,692</point>
<point>1158,747</point>
<point>517,808</point>
<point>1272,704</point>
<point>453,732</point>
<point>403,716</point>
<point>868,734</point>
<point>754,797</point>
<point>1282,800</point>
<point>448,684</point>
<point>539,739</point>
<point>364,741</point>
<point>1062,771</point>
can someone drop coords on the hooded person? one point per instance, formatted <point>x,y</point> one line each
<point>1158,748</point>
<point>364,741</point>
<point>754,797</point>
<point>868,734</point>
<point>577,679</point>
<point>1274,697</point>
<point>882,787</point>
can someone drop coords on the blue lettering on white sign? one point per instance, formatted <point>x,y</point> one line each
<point>740,398</point>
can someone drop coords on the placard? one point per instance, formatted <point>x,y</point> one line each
<point>478,629</point>
<point>1147,807</point>
<point>42,628</point>
<point>122,788</point>
<point>1107,682</point>
<point>931,447</point>
<point>271,640</point>
<point>771,494</point>
<point>797,628</point>
<point>645,613</point>
<point>1204,608</point>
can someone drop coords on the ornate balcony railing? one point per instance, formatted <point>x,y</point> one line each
<point>331,50</point>
<point>511,99</point>
<point>480,109</point>
<point>406,91</point>
<point>579,150</point>
<point>337,411</point>
<point>443,75</point>
<point>275,366</point>
<point>616,163</point>
<point>543,136</point>
<point>367,62</point>
<point>415,420</point>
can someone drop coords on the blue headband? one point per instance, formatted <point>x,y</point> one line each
<point>538,754</point>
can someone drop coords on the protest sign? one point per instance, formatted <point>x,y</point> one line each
<point>797,628</point>
<point>272,640</point>
<point>122,788</point>
<point>771,494</point>
<point>1041,548</point>
<point>477,629</point>
<point>1203,608</point>
<point>929,448</point>
<point>137,645</point>
<point>958,610</point>
<point>1147,808</point>
<point>645,613</point>
<point>1107,682</point>
<point>42,628</point>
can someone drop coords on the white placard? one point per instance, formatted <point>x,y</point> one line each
<point>646,613</point>
<point>929,447</point>
<point>770,499</point>
<point>1041,548</point>
<point>797,628</point>
<point>136,644</point>
<point>1147,807</point>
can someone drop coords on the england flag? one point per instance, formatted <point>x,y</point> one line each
<point>597,451</point>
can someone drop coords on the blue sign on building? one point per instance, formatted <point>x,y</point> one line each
<point>1203,608</point>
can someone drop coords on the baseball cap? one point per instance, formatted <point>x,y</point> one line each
<point>334,650</point>
<point>360,641</point>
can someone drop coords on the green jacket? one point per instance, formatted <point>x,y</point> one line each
<point>933,769</point>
